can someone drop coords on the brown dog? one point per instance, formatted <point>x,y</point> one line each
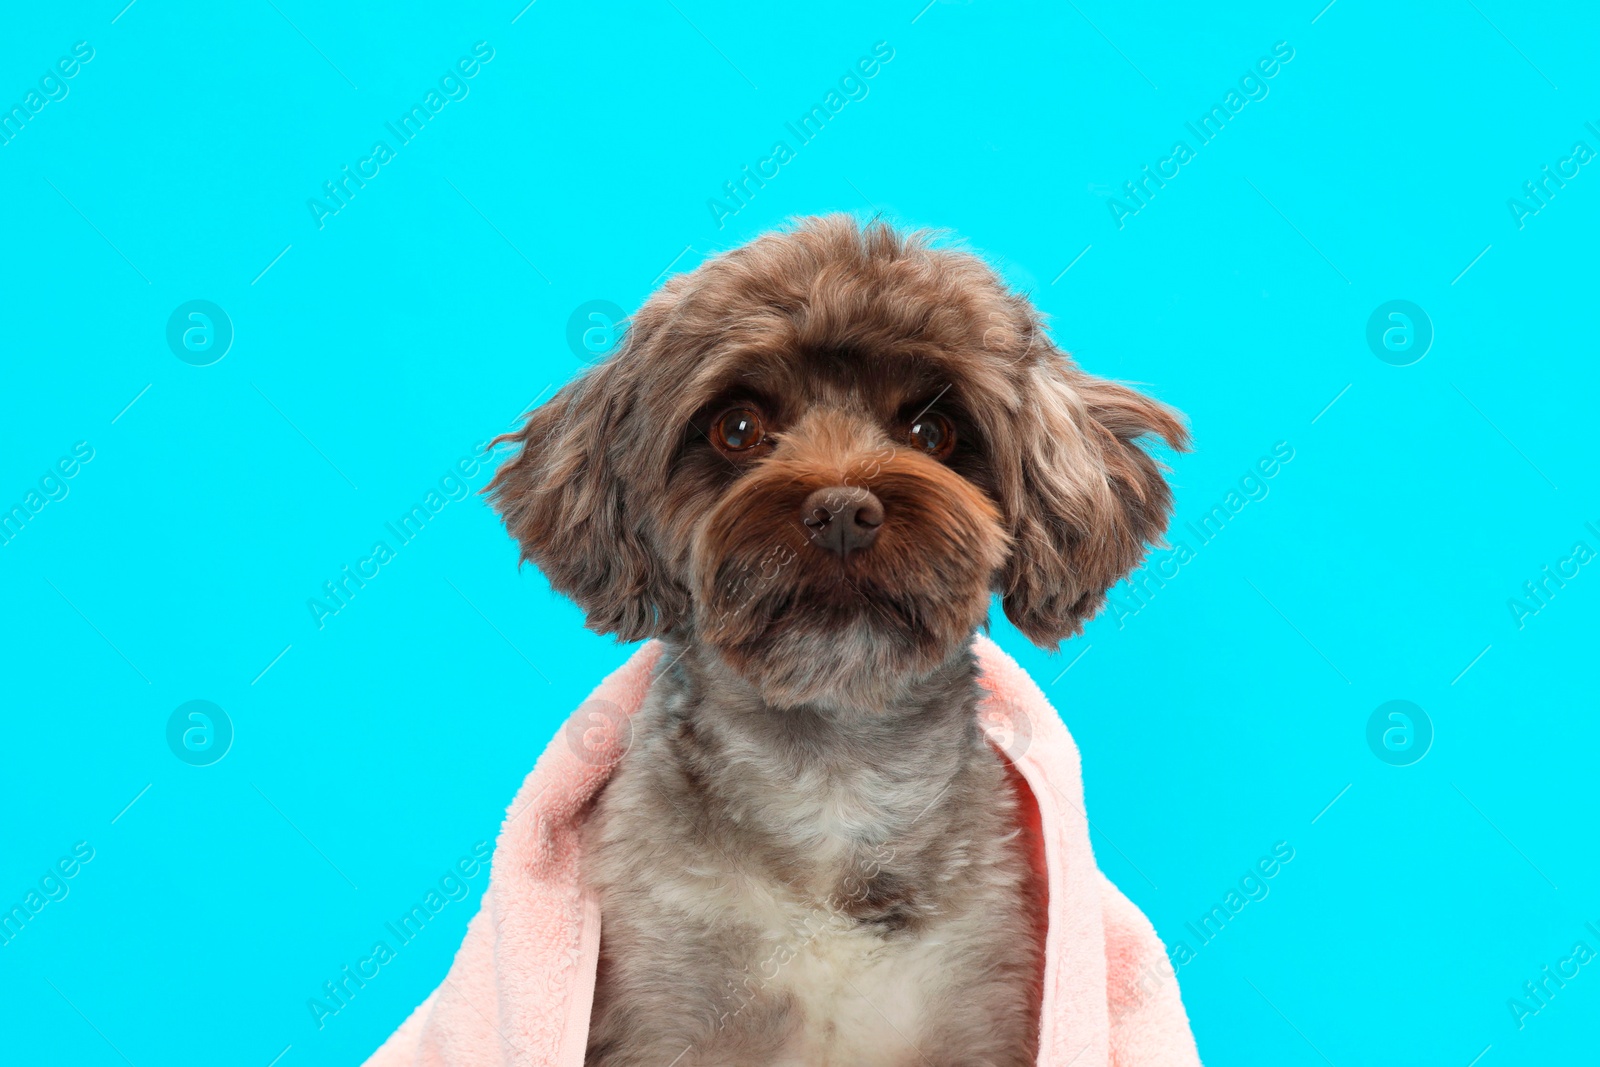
<point>806,469</point>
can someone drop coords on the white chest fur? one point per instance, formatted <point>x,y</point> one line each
<point>858,998</point>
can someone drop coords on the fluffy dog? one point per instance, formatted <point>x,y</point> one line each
<point>806,469</point>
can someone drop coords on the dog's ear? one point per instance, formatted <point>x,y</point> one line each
<point>571,496</point>
<point>1083,498</point>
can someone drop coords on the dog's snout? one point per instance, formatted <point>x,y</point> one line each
<point>842,519</point>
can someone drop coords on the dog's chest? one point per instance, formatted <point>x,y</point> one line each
<point>861,953</point>
<point>856,991</point>
<point>831,912</point>
<point>859,945</point>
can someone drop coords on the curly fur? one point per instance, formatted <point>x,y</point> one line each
<point>810,856</point>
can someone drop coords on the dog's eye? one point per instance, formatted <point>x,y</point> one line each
<point>737,429</point>
<point>932,434</point>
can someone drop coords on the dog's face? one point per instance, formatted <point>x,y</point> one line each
<point>819,454</point>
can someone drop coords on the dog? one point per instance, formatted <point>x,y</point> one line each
<point>805,469</point>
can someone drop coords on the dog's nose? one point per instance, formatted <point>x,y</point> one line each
<point>842,519</point>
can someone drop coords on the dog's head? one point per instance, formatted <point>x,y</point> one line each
<point>818,455</point>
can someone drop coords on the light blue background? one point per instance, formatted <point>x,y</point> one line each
<point>1221,718</point>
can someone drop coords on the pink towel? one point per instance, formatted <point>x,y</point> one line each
<point>522,983</point>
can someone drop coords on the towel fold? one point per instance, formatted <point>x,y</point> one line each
<point>520,989</point>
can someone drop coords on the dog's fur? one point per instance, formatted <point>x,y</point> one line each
<point>810,855</point>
